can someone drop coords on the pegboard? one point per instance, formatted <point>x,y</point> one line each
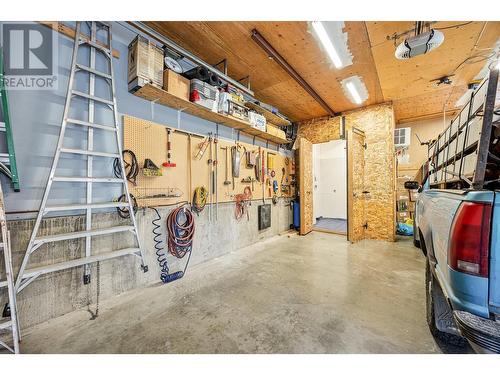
<point>149,140</point>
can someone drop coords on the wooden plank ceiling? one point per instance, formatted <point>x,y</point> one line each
<point>405,83</point>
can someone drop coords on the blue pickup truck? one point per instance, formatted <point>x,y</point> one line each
<point>457,224</point>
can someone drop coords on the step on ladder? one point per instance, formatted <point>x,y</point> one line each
<point>93,45</point>
<point>8,164</point>
<point>9,323</point>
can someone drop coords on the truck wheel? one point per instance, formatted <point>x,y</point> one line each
<point>430,304</point>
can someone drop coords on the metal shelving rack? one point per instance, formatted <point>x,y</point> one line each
<point>466,155</point>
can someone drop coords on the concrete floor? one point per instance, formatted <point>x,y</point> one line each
<point>289,294</point>
<point>332,224</point>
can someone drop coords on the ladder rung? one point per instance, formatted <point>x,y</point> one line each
<point>5,323</point>
<point>2,126</point>
<point>90,124</point>
<point>78,262</point>
<point>94,71</point>
<point>3,283</point>
<point>4,159</point>
<point>87,152</point>
<point>95,45</point>
<point>72,235</point>
<point>88,179</point>
<point>84,206</point>
<point>92,97</point>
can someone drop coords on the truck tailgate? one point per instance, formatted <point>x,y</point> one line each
<point>495,258</point>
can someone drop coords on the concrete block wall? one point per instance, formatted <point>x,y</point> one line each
<point>58,293</point>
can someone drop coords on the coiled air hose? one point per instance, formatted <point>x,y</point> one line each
<point>180,233</point>
<point>161,257</point>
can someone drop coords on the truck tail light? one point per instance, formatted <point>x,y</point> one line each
<point>470,239</point>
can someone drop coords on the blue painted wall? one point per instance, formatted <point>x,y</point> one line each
<point>36,118</point>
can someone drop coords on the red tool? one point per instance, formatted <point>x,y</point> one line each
<point>169,163</point>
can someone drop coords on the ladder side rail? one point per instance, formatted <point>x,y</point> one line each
<point>54,163</point>
<point>122,166</point>
<point>90,147</point>
<point>485,137</point>
<point>12,295</point>
<point>9,276</point>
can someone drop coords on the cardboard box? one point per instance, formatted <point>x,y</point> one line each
<point>176,84</point>
<point>274,130</point>
<point>145,62</point>
<point>257,121</point>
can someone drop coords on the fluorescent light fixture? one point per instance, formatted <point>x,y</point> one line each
<point>355,89</point>
<point>354,92</point>
<point>321,33</point>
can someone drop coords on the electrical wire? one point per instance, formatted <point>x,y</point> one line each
<point>242,203</point>
<point>124,211</point>
<point>133,166</point>
<point>453,26</point>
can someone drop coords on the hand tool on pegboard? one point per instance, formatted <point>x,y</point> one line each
<point>202,147</point>
<point>249,180</point>
<point>235,161</point>
<point>226,163</point>
<point>169,163</point>
<point>216,175</point>
<point>210,177</point>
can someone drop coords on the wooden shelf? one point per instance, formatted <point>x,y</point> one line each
<point>270,117</point>
<point>163,97</point>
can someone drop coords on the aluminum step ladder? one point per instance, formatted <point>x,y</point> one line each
<point>8,164</point>
<point>92,45</point>
<point>8,323</point>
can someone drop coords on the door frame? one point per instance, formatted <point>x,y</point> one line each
<point>344,135</point>
<point>342,138</point>
<point>350,170</point>
<point>304,195</point>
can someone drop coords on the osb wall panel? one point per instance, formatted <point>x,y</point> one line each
<point>378,124</point>
<point>320,130</point>
<point>306,186</point>
<point>356,181</point>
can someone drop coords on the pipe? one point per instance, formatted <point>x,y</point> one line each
<point>172,45</point>
<point>269,49</point>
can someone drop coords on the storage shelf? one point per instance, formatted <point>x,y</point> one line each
<point>270,117</point>
<point>163,97</point>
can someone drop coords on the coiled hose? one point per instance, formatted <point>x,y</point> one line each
<point>133,167</point>
<point>199,199</point>
<point>242,201</point>
<point>180,233</point>
<point>160,256</point>
<point>124,212</point>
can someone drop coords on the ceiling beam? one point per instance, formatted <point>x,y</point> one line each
<point>271,52</point>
